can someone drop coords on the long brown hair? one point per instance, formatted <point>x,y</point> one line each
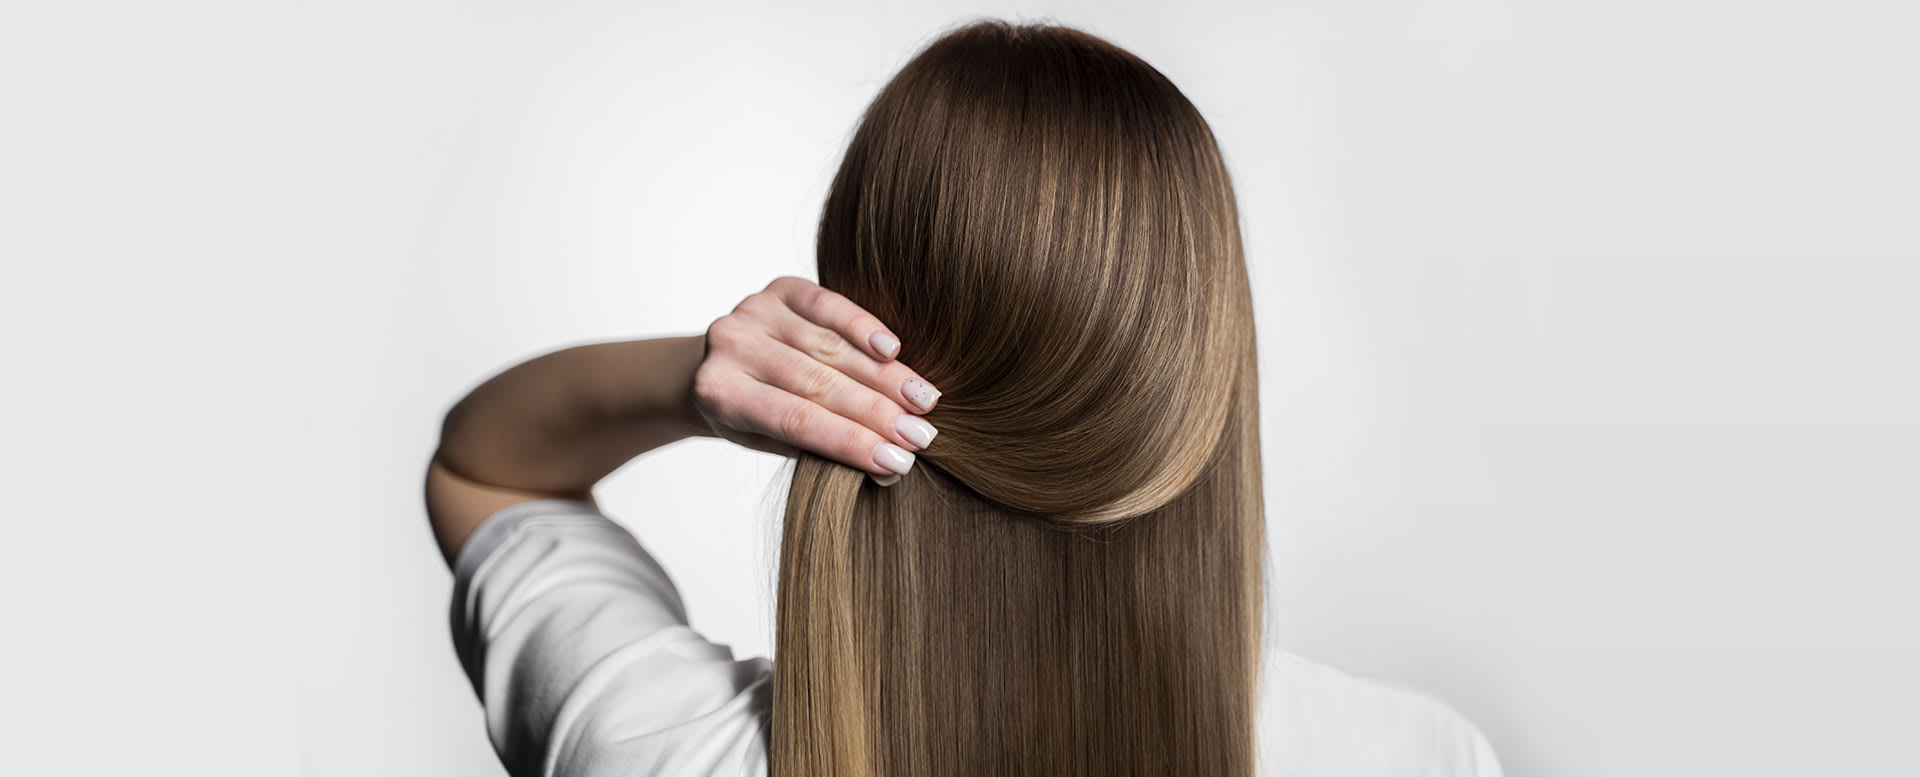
<point>1069,581</point>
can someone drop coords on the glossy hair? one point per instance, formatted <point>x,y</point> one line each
<point>1069,580</point>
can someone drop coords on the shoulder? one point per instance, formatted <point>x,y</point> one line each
<point>1317,720</point>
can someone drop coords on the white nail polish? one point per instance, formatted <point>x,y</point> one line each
<point>920,393</point>
<point>884,344</point>
<point>893,458</point>
<point>915,429</point>
<point>885,481</point>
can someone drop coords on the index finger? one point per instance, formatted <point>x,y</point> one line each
<point>834,311</point>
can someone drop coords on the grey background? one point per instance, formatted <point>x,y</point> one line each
<point>1588,348</point>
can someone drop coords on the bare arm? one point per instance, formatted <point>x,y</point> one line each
<point>792,367</point>
<point>555,425</point>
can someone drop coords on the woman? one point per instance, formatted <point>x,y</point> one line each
<point>1037,550</point>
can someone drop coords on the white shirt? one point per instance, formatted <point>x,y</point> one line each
<point>578,646</point>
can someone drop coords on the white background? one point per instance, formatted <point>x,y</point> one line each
<point>1588,348</point>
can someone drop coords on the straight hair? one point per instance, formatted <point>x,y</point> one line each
<point>1069,582</point>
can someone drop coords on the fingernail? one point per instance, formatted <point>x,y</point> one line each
<point>892,457</point>
<point>915,429</point>
<point>884,344</point>
<point>921,393</point>
<point>884,481</point>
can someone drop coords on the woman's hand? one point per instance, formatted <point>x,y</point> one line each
<point>797,366</point>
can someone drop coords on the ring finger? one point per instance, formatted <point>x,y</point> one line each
<point>890,378</point>
<point>803,375</point>
<point>787,419</point>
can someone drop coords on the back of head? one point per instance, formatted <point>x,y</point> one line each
<point>1069,582</point>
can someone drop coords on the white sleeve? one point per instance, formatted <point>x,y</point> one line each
<point>577,644</point>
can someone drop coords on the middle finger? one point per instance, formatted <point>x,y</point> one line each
<point>805,376</point>
<point>891,378</point>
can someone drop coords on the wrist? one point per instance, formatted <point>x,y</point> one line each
<point>645,388</point>
<point>684,407</point>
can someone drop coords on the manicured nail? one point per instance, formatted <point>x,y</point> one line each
<point>892,457</point>
<point>885,481</point>
<point>915,429</point>
<point>884,344</point>
<point>921,393</point>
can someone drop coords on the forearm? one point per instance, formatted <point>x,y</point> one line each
<point>560,422</point>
